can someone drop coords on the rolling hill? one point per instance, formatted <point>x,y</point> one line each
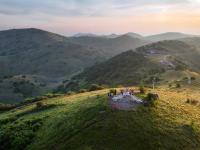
<point>143,64</point>
<point>111,46</point>
<point>167,36</point>
<point>47,57</point>
<point>85,121</point>
<point>33,51</point>
<point>193,41</point>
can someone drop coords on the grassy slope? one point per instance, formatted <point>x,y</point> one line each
<point>84,121</point>
<point>128,68</point>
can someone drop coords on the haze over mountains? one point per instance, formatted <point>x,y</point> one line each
<point>153,38</point>
<point>39,61</point>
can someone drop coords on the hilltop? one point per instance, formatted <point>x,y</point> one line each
<point>84,121</point>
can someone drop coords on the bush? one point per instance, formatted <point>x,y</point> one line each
<point>169,85</point>
<point>19,135</point>
<point>113,91</point>
<point>151,98</point>
<point>52,95</point>
<point>95,87</point>
<point>39,104</point>
<point>82,90</point>
<point>178,85</point>
<point>71,93</point>
<point>142,90</point>
<point>5,107</point>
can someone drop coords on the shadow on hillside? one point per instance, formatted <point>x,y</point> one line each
<point>98,127</point>
<point>142,129</point>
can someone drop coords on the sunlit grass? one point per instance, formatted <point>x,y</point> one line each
<point>85,121</point>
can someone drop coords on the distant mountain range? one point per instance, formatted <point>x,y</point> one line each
<point>152,38</point>
<point>34,62</point>
<point>168,36</point>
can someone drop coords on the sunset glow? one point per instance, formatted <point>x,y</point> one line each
<point>103,17</point>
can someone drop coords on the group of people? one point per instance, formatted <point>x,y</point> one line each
<point>127,92</point>
<point>123,92</point>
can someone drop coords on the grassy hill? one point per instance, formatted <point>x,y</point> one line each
<point>167,36</point>
<point>143,64</point>
<point>84,121</point>
<point>111,46</point>
<point>33,51</point>
<point>128,68</point>
<point>45,57</point>
<point>50,58</point>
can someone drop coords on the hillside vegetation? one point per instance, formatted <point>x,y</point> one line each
<point>85,121</point>
<point>47,58</point>
<point>144,64</point>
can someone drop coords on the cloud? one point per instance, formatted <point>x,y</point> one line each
<point>57,15</point>
<point>74,7</point>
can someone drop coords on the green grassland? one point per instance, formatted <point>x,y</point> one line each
<point>85,121</point>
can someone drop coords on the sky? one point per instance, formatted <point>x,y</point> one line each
<point>68,17</point>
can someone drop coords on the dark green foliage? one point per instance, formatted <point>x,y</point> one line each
<point>128,68</point>
<point>25,87</point>
<point>39,104</point>
<point>5,107</point>
<point>142,88</point>
<point>95,87</point>
<point>8,120</point>
<point>178,85</point>
<point>17,135</point>
<point>71,93</point>
<point>150,99</point>
<point>40,98</point>
<point>169,85</point>
<point>83,90</point>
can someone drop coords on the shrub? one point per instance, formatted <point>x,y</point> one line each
<point>39,104</point>
<point>23,76</point>
<point>95,87</point>
<point>170,85</point>
<point>71,93</point>
<point>19,135</point>
<point>178,85</point>
<point>151,98</point>
<point>82,90</point>
<point>113,91</point>
<point>52,95</point>
<point>142,90</point>
<point>5,107</point>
